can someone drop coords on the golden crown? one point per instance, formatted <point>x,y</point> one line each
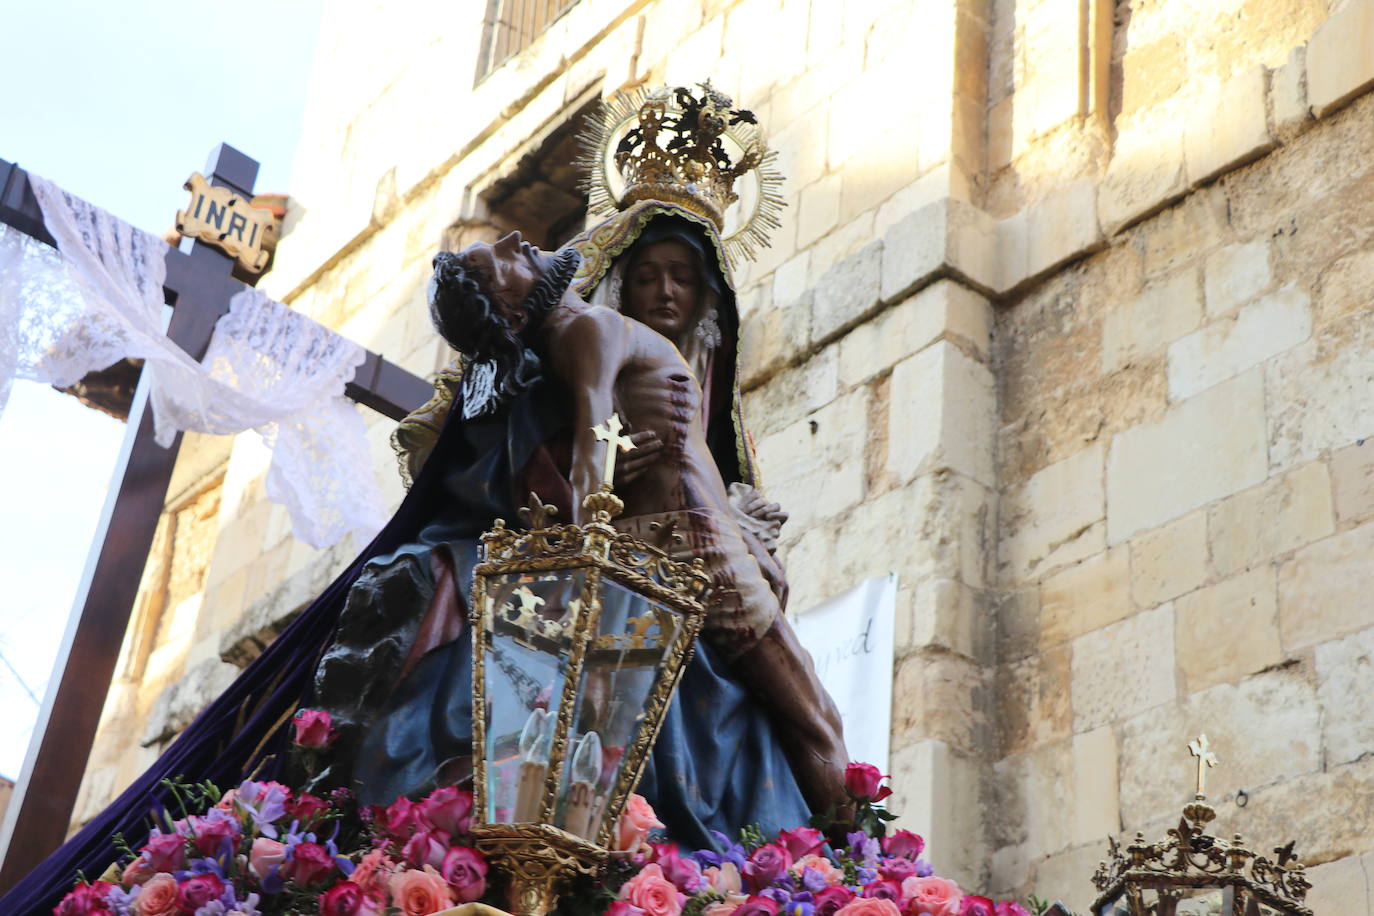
<point>668,144</point>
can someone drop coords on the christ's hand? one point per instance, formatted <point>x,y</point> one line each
<point>648,449</point>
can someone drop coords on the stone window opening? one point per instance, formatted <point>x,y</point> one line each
<point>511,26</point>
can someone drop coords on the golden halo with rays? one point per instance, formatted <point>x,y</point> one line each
<point>685,148</point>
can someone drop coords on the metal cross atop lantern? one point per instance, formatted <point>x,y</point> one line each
<point>1193,873</point>
<point>580,634</point>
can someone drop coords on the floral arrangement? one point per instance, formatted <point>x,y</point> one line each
<point>263,850</point>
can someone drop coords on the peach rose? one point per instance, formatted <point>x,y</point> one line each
<point>372,872</point>
<point>265,854</point>
<point>653,893</point>
<point>932,895</point>
<point>158,897</point>
<point>636,821</point>
<point>821,866</point>
<point>724,907</point>
<point>725,879</point>
<point>872,906</point>
<point>419,893</point>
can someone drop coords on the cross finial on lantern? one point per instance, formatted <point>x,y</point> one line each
<point>1200,749</point>
<point>609,432</point>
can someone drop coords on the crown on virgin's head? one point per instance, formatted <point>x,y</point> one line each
<point>668,147</point>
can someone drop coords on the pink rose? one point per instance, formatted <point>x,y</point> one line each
<point>765,865</point>
<point>372,872</point>
<point>684,873</point>
<point>85,900</point>
<point>1011,908</point>
<point>400,818</point>
<point>821,866</point>
<point>831,900</point>
<point>653,893</point>
<point>465,870</point>
<point>869,906</point>
<point>623,908</point>
<point>864,782</point>
<point>801,842</point>
<point>264,855</point>
<point>348,899</point>
<point>897,869</point>
<point>449,810</point>
<point>425,847</point>
<point>904,843</point>
<point>165,852</point>
<point>887,890</point>
<point>159,896</point>
<point>723,880</point>
<point>195,892</point>
<point>636,821</point>
<point>307,864</point>
<point>936,896</point>
<point>973,905</point>
<point>305,807</point>
<point>725,907</point>
<point>419,893</point>
<point>137,872</point>
<point>314,728</point>
<point>211,835</point>
<point>758,906</point>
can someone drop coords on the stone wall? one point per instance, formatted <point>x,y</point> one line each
<point>1064,324</point>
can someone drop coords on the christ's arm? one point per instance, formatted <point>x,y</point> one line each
<point>589,353</point>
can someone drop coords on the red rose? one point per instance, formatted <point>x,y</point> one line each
<point>314,728</point>
<point>864,782</point>
<point>306,807</point>
<point>194,893</point>
<point>684,873</point>
<point>883,890</point>
<point>400,818</point>
<point>830,900</point>
<point>343,899</point>
<point>85,900</point>
<point>306,864</point>
<point>1011,908</point>
<point>465,870</point>
<point>973,905</point>
<point>165,852</point>
<point>209,835</point>
<point>623,908</point>
<point>801,842</point>
<point>765,865</point>
<point>904,843</point>
<point>449,810</point>
<point>897,869</point>
<point>758,906</point>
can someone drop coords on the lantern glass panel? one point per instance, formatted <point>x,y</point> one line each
<point>1115,907</point>
<point>532,621</point>
<point>633,639</point>
<point>1206,901</point>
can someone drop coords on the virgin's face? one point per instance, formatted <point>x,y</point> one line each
<point>663,287</point>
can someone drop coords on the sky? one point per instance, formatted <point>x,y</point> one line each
<point>118,103</point>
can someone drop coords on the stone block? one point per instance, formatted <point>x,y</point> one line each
<point>1096,799</point>
<point>942,414</point>
<point>1032,697</point>
<point>943,308</point>
<point>1152,72</point>
<point>1067,876</point>
<point>1308,392</point>
<point>1288,93</point>
<point>1266,729</point>
<point>943,613</point>
<point>940,793</point>
<point>881,167</point>
<point>1235,274</point>
<point>818,209</point>
<point>772,337</point>
<point>1281,514</point>
<point>1146,173</point>
<point>810,579</point>
<point>1062,225</point>
<point>1324,589</point>
<point>945,181</point>
<point>1301,809</point>
<point>1162,313</point>
<point>1169,561</point>
<point>1345,685</point>
<point>1086,597</point>
<point>1054,517</point>
<point>1229,129</point>
<point>1017,613</point>
<point>1203,449</point>
<point>1226,348</point>
<point>847,293</point>
<point>790,280</point>
<point>1352,479</point>
<point>1032,793</point>
<point>184,698</point>
<point>1123,669</point>
<point>815,466</point>
<point>1341,886</point>
<point>940,696</point>
<point>1340,58</point>
<point>945,235</point>
<point>1228,630</point>
<point>1344,287</point>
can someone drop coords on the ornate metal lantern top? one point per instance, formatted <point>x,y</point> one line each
<point>580,634</point>
<point>1192,873</point>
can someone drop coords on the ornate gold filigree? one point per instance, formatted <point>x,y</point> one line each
<point>537,860</point>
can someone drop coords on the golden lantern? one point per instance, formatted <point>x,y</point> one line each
<point>1192,873</point>
<point>580,635</point>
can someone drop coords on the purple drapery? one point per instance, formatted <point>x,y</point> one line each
<point>248,723</point>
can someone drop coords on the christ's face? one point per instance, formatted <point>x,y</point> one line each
<point>663,287</point>
<point>511,267</point>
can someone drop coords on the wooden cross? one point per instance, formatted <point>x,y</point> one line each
<point>610,434</point>
<point>200,282</point>
<point>1205,758</point>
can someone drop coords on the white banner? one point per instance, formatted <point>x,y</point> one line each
<point>851,638</point>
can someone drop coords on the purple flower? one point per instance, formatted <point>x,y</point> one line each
<point>122,901</point>
<point>864,848</point>
<point>264,802</point>
<point>867,876</point>
<point>924,869</point>
<point>813,880</point>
